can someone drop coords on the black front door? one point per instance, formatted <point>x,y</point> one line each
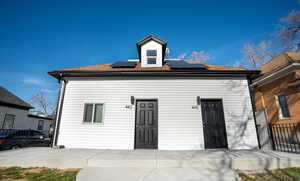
<point>146,124</point>
<point>213,124</point>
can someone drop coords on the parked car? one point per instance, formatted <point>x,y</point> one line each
<point>14,139</point>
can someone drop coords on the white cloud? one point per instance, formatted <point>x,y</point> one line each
<point>33,81</point>
<point>196,56</point>
<point>36,81</point>
<point>50,91</point>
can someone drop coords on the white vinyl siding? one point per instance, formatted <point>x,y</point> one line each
<point>179,117</point>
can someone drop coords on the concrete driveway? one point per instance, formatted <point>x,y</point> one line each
<point>145,164</point>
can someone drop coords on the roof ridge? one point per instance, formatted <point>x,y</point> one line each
<point>289,58</point>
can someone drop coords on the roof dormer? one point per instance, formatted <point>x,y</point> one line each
<point>151,51</point>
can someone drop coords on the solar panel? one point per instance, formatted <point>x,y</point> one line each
<point>181,64</point>
<point>123,64</point>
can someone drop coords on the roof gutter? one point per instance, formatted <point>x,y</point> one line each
<point>275,73</point>
<point>216,73</point>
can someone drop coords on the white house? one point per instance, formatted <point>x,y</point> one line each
<point>13,110</point>
<point>155,103</point>
<point>40,122</point>
<point>14,114</point>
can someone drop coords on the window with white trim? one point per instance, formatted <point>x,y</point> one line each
<point>93,113</point>
<point>151,56</point>
<point>8,122</point>
<point>284,112</point>
<point>40,125</point>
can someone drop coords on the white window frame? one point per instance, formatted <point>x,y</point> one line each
<point>93,112</point>
<point>43,125</point>
<point>281,117</point>
<point>151,57</point>
<point>4,120</point>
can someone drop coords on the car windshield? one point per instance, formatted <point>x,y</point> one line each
<point>6,132</point>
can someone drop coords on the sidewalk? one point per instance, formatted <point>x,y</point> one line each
<point>212,159</point>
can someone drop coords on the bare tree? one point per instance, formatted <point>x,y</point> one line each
<point>289,33</point>
<point>196,56</point>
<point>255,55</point>
<point>42,103</point>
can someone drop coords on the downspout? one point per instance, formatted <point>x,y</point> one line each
<point>253,108</point>
<point>59,109</point>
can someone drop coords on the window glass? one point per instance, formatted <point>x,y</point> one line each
<point>40,125</point>
<point>98,113</point>
<point>283,106</point>
<point>151,53</point>
<point>8,121</point>
<point>88,112</point>
<point>151,60</point>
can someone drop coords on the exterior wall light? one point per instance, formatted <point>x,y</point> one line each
<point>132,100</point>
<point>198,101</point>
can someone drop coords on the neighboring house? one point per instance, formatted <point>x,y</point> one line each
<point>277,100</point>
<point>277,90</point>
<point>14,114</point>
<point>155,103</point>
<point>40,122</point>
<point>13,110</point>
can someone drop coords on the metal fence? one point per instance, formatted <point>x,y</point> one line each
<point>285,137</point>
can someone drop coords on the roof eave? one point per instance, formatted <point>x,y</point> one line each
<point>249,73</point>
<point>15,106</point>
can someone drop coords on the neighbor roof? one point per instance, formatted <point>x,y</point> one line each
<point>280,61</point>
<point>41,116</point>
<point>9,99</point>
<point>277,63</point>
<point>108,69</point>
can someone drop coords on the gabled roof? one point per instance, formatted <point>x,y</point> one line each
<point>149,38</point>
<point>9,99</point>
<point>280,61</point>
<point>278,64</point>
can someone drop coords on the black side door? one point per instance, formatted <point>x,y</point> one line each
<point>213,124</point>
<point>146,131</point>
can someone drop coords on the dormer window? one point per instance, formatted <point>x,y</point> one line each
<point>151,51</point>
<point>151,56</point>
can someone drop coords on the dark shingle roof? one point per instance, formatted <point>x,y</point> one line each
<point>9,99</point>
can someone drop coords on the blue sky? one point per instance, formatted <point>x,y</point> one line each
<point>40,36</point>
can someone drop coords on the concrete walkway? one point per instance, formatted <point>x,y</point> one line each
<point>148,165</point>
<point>79,158</point>
<point>156,174</point>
